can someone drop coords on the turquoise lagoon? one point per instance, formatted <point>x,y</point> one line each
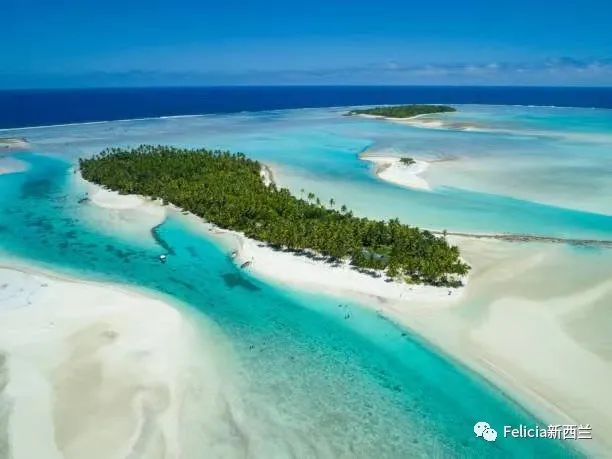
<point>361,387</point>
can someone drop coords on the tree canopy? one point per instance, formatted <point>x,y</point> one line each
<point>403,111</point>
<point>226,189</point>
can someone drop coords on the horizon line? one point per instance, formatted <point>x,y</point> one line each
<point>230,86</point>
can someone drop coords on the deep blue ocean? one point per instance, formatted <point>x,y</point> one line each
<point>41,107</point>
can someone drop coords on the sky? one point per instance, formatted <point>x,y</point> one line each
<point>84,43</point>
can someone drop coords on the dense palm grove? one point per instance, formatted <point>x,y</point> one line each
<point>227,189</point>
<point>403,111</point>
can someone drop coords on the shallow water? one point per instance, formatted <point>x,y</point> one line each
<point>321,385</point>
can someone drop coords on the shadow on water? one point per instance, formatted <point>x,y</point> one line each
<point>233,280</point>
<point>160,240</point>
<point>37,188</point>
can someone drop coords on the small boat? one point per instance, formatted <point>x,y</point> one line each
<point>162,258</point>
<point>246,264</point>
<point>234,253</point>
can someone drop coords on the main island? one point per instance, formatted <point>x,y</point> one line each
<point>227,190</point>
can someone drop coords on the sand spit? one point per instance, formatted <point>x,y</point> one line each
<point>10,165</point>
<point>393,170</point>
<point>13,143</point>
<point>103,372</point>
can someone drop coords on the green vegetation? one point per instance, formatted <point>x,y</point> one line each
<point>403,111</point>
<point>407,161</point>
<point>227,190</point>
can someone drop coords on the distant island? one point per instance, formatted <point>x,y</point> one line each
<point>227,190</point>
<point>403,111</point>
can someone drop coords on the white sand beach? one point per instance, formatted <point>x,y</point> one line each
<point>429,122</point>
<point>391,169</point>
<point>106,372</point>
<point>134,204</point>
<point>432,121</point>
<point>133,216</point>
<point>420,121</point>
<point>338,280</point>
<point>416,121</point>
